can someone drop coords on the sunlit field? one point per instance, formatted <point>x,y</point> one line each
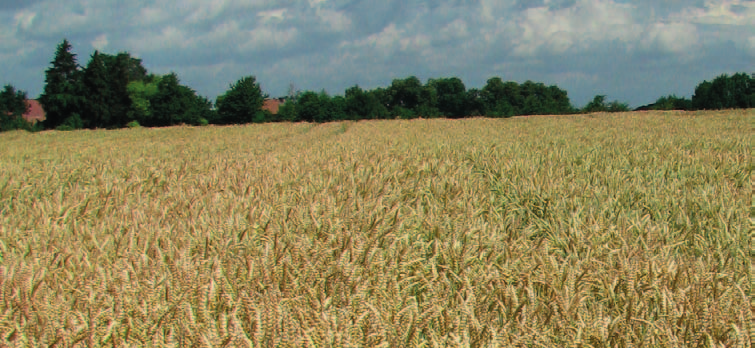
<point>602,230</point>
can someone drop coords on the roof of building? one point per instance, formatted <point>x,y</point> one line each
<point>272,105</point>
<point>35,113</point>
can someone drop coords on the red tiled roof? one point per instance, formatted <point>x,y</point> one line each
<point>35,113</point>
<point>272,105</point>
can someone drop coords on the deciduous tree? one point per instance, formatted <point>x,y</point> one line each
<point>242,103</point>
<point>361,104</point>
<point>451,96</point>
<point>12,108</point>
<point>177,104</point>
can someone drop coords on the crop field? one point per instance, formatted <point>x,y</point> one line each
<point>602,230</point>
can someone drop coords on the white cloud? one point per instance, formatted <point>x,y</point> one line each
<point>721,12</point>
<point>323,43</point>
<point>581,26</point>
<point>334,20</point>
<point>24,19</point>
<point>315,3</point>
<point>456,29</point>
<point>265,37</point>
<point>418,42</point>
<point>169,38</point>
<point>489,10</point>
<point>100,42</point>
<point>151,15</point>
<point>59,19</point>
<point>678,37</point>
<point>272,15</point>
<point>384,42</point>
<point>205,10</point>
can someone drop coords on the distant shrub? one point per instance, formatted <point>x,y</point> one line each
<point>599,104</point>
<point>135,124</point>
<point>72,122</point>
<point>672,102</point>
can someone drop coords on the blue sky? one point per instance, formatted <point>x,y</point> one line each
<point>633,51</point>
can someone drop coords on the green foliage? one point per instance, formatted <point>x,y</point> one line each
<point>72,122</point>
<point>97,110</point>
<point>404,113</point>
<point>616,106</point>
<point>95,97</point>
<point>505,99</point>
<point>336,107</point>
<point>442,97</point>
<point>725,92</point>
<point>122,69</point>
<point>405,95</point>
<point>115,89</point>
<point>63,92</point>
<point>126,67</point>
<point>672,102</point>
<point>452,96</point>
<point>205,109</point>
<point>12,102</point>
<point>133,124</point>
<point>163,101</point>
<point>12,107</point>
<point>540,99</point>
<point>308,108</point>
<point>314,107</point>
<point>287,112</point>
<point>475,103</point>
<point>497,97</point>
<point>242,103</point>
<point>176,104</point>
<point>598,104</point>
<point>361,104</point>
<point>140,93</point>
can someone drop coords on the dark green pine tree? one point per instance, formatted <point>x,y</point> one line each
<point>97,111</point>
<point>62,98</point>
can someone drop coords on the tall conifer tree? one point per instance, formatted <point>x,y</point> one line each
<point>62,98</point>
<point>99,96</point>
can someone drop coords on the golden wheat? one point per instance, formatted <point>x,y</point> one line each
<point>600,230</point>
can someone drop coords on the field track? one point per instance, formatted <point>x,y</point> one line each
<point>602,230</point>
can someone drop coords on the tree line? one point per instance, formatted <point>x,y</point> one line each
<point>724,92</point>
<point>114,91</point>
<point>409,98</point>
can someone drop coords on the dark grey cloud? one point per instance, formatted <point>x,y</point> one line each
<point>551,4</point>
<point>662,8</point>
<point>9,5</point>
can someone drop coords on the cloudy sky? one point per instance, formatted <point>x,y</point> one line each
<point>633,51</point>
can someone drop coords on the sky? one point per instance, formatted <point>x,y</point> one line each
<point>631,51</point>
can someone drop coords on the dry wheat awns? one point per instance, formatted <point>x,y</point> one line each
<point>629,230</point>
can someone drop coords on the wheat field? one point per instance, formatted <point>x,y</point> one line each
<point>620,230</point>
